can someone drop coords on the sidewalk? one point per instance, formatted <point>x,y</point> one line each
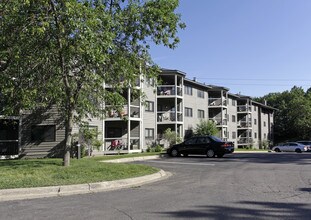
<point>51,191</point>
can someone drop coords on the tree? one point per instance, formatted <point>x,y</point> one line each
<point>57,52</point>
<point>293,117</point>
<point>171,137</point>
<point>206,127</point>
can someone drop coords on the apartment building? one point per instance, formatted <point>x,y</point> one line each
<point>174,102</point>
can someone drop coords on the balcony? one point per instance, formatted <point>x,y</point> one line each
<point>245,140</point>
<point>169,90</point>
<point>244,124</point>
<point>244,109</point>
<point>113,113</point>
<point>219,121</point>
<point>169,116</point>
<point>121,144</point>
<point>217,102</point>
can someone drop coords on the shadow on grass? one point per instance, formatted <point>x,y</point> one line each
<point>249,210</point>
<point>16,164</point>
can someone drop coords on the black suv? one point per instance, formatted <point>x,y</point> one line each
<point>206,145</point>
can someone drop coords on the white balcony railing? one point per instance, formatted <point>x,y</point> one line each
<point>169,116</point>
<point>217,102</point>
<point>219,121</point>
<point>244,108</point>
<point>245,140</point>
<point>121,144</point>
<point>165,90</point>
<point>244,124</point>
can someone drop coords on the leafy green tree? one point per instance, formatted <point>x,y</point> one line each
<point>62,52</point>
<point>89,137</point>
<point>206,127</point>
<point>171,137</point>
<point>292,119</point>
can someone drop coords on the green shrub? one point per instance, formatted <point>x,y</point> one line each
<point>154,148</point>
<point>171,137</point>
<point>206,127</point>
<point>158,148</point>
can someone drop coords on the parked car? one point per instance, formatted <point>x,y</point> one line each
<point>306,143</point>
<point>291,147</point>
<point>204,145</point>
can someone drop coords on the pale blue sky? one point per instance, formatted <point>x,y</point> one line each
<point>250,46</point>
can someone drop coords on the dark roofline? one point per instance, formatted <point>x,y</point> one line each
<point>213,87</point>
<point>264,106</point>
<point>163,70</point>
<point>238,96</point>
<point>197,83</point>
<point>234,95</point>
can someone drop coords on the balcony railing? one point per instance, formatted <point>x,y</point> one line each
<point>134,112</point>
<point>219,121</point>
<point>244,124</point>
<point>245,140</point>
<point>169,116</point>
<point>121,144</point>
<point>217,102</point>
<point>169,90</point>
<point>244,108</point>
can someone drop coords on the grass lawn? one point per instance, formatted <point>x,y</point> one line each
<point>50,172</point>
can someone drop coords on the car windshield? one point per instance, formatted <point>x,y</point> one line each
<point>217,139</point>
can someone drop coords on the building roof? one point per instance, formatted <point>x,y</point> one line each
<point>171,71</point>
<point>193,81</point>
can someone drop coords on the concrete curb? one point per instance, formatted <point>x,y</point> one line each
<point>51,191</point>
<point>131,159</point>
<point>249,152</point>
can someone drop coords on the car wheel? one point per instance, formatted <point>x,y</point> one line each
<point>185,155</point>
<point>277,150</point>
<point>220,155</point>
<point>210,153</point>
<point>174,153</point>
<point>298,150</point>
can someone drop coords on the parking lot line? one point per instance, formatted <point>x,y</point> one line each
<point>196,164</point>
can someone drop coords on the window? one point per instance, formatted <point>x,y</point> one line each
<point>149,133</point>
<point>255,135</point>
<point>203,140</point>
<point>233,118</point>
<point>43,133</point>
<point>233,135</point>
<point>188,112</point>
<point>233,102</point>
<point>191,141</point>
<point>149,106</point>
<point>255,108</point>
<point>255,121</point>
<point>200,113</point>
<point>265,136</point>
<point>200,94</point>
<point>188,90</point>
<point>264,124</point>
